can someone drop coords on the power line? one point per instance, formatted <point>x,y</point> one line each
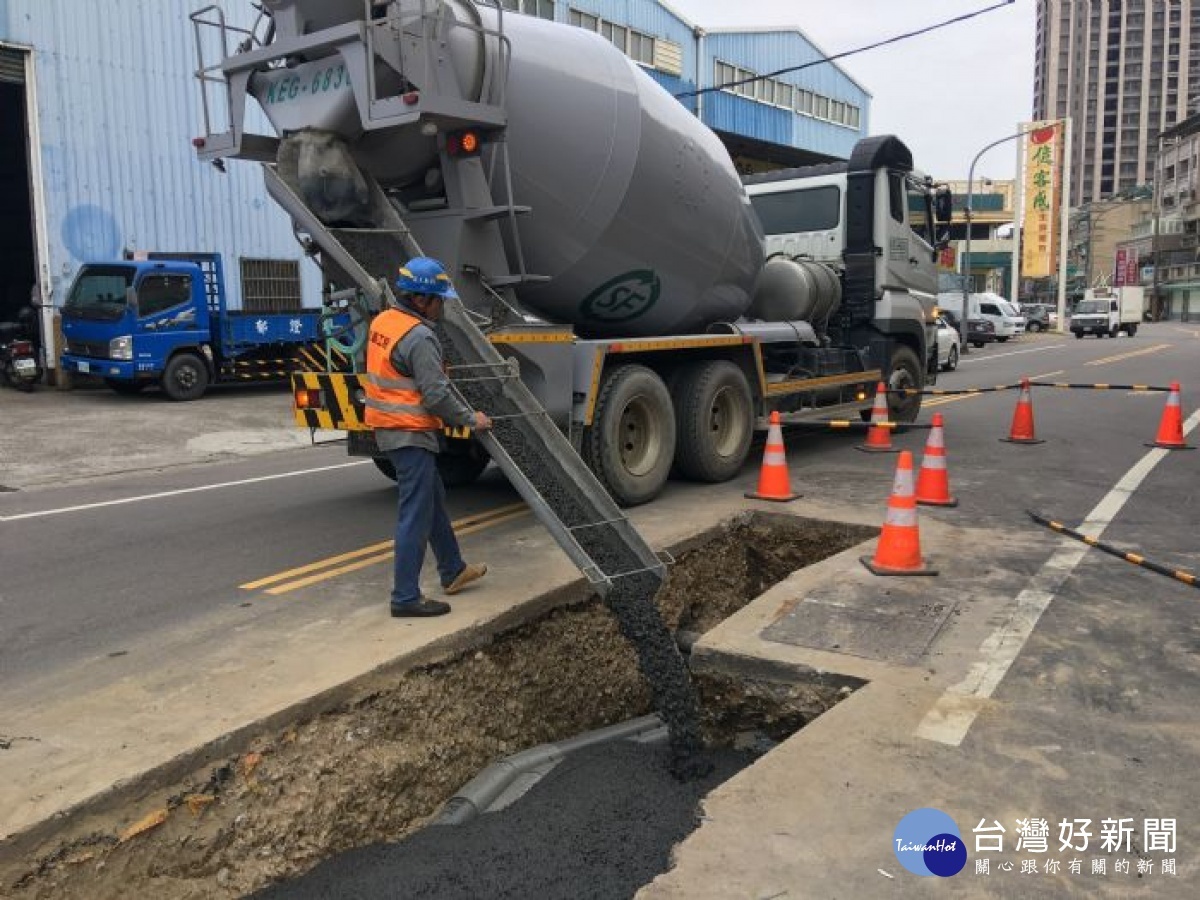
<point>825,59</point>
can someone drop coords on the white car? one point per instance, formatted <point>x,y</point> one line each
<point>947,345</point>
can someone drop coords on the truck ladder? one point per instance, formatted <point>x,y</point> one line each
<point>534,455</point>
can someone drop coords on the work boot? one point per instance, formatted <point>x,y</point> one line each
<point>422,608</point>
<point>469,573</point>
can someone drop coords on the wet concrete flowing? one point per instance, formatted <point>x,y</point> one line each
<point>600,825</point>
<point>632,596</point>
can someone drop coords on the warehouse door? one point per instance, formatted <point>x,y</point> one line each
<point>17,261</point>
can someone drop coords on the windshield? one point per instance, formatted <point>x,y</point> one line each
<point>1092,306</point>
<point>99,293</point>
<point>1009,310</point>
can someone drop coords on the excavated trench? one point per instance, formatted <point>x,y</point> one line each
<point>378,767</point>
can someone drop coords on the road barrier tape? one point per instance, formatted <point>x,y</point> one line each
<point>1136,558</point>
<point>1098,387</point>
<point>937,392</point>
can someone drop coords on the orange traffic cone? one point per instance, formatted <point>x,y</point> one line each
<point>879,436</point>
<point>1021,431</point>
<point>933,481</point>
<point>1170,427</point>
<point>773,480</point>
<point>899,549</point>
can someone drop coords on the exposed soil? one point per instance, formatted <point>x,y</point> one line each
<point>374,769</point>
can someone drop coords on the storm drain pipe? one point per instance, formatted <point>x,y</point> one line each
<point>516,774</point>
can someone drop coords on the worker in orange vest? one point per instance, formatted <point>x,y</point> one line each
<point>408,401</point>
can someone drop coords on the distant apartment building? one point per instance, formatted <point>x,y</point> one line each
<point>1124,71</point>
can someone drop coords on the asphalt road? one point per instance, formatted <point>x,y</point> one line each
<point>98,567</point>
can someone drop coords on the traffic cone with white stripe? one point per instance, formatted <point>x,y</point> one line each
<point>1170,427</point>
<point>773,480</point>
<point>899,548</point>
<point>933,481</point>
<point>1021,431</point>
<point>879,435</point>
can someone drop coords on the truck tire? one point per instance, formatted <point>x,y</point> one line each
<point>185,378</point>
<point>455,469</point>
<point>125,387</point>
<point>1033,327</point>
<point>460,468</point>
<point>1131,330</point>
<point>630,444</point>
<point>1114,331</point>
<point>1078,335</point>
<point>905,373</point>
<point>714,420</point>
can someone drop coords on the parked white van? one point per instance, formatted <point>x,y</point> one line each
<point>987,306</point>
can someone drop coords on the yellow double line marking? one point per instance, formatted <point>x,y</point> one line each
<point>1129,355</point>
<point>324,569</point>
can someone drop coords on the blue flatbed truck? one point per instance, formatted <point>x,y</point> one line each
<point>164,320</point>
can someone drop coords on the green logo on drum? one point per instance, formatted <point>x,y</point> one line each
<point>622,298</point>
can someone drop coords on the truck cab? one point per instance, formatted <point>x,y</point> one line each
<point>164,320</point>
<point>127,322</point>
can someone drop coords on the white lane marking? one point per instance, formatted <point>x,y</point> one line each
<point>163,494</point>
<point>951,717</point>
<point>1013,353</point>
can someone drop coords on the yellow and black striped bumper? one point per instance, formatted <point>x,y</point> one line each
<point>338,405</point>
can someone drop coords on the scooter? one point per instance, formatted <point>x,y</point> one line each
<point>18,362</point>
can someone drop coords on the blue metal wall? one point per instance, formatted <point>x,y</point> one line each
<point>760,51</point>
<point>769,51</point>
<point>648,17</point>
<point>117,109</point>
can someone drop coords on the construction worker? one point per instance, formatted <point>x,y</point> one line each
<point>408,399</point>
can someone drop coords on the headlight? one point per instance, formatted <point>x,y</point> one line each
<point>121,348</point>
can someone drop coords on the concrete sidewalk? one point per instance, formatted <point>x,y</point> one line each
<point>1095,720</point>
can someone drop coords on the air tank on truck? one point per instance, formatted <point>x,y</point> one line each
<point>598,232</point>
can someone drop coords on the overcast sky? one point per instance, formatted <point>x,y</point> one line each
<point>947,94</point>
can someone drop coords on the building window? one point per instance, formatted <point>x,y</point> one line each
<point>270,285</point>
<point>543,9</point>
<point>637,46</point>
<point>641,48</point>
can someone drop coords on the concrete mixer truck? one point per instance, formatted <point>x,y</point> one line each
<point>655,307</point>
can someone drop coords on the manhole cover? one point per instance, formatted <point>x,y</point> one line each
<point>896,623</point>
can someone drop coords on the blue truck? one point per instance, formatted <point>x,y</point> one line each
<point>164,320</point>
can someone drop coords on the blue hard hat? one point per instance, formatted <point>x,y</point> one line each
<point>422,275</point>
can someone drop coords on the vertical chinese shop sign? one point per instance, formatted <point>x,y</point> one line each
<point>1043,194</point>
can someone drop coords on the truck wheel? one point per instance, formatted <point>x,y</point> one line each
<point>905,373</point>
<point>460,467</point>
<point>714,420</point>
<point>1033,327</point>
<point>1131,330</point>
<point>1114,331</point>
<point>631,442</point>
<point>1078,334</point>
<point>125,387</point>
<point>384,465</point>
<point>185,378</point>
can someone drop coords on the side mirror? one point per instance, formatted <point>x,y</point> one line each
<point>943,204</point>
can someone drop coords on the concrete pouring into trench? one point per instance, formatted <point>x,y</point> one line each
<point>378,766</point>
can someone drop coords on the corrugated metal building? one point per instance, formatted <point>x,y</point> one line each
<point>97,109</point>
<point>98,105</point>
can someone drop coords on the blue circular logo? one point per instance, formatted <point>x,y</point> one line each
<point>928,842</point>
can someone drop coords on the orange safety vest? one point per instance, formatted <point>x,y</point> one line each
<point>392,399</point>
